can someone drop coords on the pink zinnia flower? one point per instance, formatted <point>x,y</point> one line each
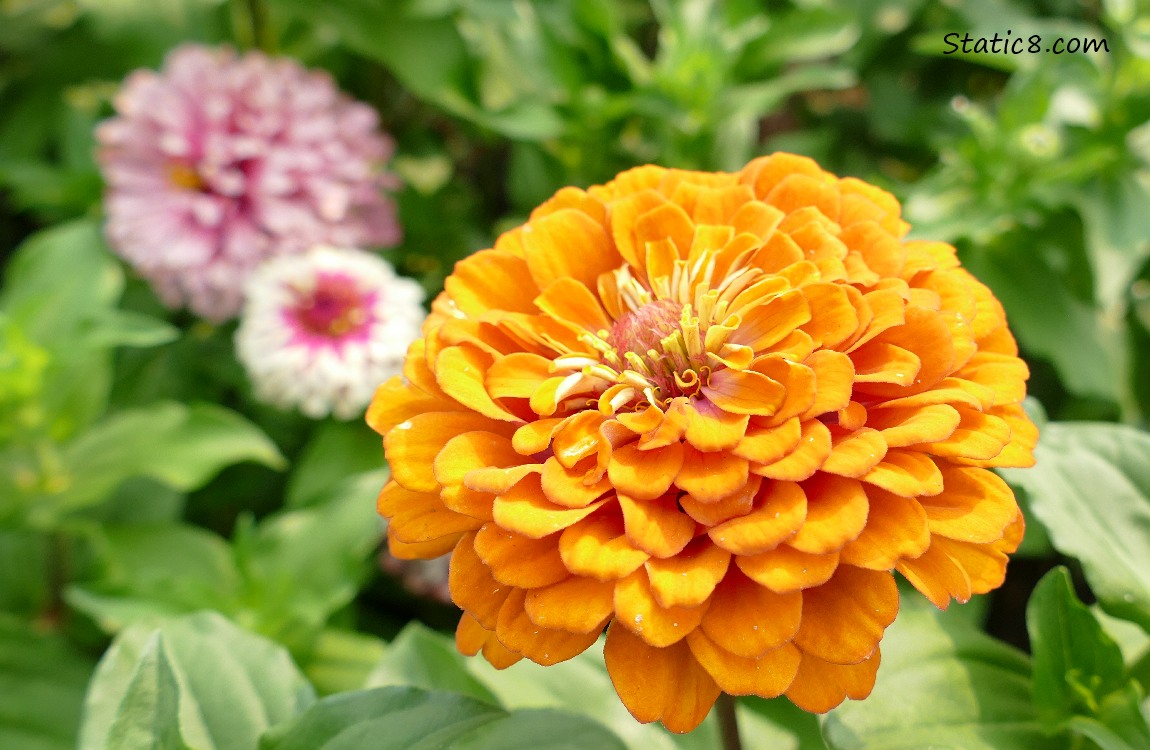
<point>218,162</point>
<point>320,331</point>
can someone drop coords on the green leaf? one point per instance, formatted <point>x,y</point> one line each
<point>423,658</point>
<point>1075,662</point>
<point>182,446</point>
<point>942,684</point>
<point>539,729</point>
<point>1091,490</point>
<point>42,679</point>
<point>300,566</point>
<point>157,570</point>
<point>199,681</point>
<point>336,451</point>
<point>382,718</point>
<point>342,660</point>
<point>126,328</point>
<point>407,718</point>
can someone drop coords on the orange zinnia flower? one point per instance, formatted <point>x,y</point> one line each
<point>711,413</point>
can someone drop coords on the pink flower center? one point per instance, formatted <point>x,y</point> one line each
<point>641,330</point>
<point>334,309</point>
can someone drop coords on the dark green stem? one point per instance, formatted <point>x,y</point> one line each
<point>251,25</point>
<point>728,722</point>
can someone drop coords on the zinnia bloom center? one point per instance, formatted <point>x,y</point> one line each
<point>183,176</point>
<point>646,338</point>
<point>334,308</point>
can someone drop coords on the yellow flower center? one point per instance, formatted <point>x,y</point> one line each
<point>183,176</point>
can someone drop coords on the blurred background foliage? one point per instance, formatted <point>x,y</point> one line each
<point>140,480</point>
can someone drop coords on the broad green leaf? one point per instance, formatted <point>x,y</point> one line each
<point>149,716</point>
<point>182,446</point>
<point>26,562</point>
<point>342,660</point>
<point>1091,490</point>
<point>42,681</point>
<point>942,684</point>
<point>336,451</point>
<point>539,729</point>
<point>300,566</point>
<point>402,718</point>
<point>422,658</point>
<point>407,718</point>
<point>156,570</point>
<point>220,685</point>
<point>126,328</point>
<point>1075,663</point>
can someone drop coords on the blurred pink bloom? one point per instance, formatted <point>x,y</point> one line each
<point>320,331</point>
<point>216,163</point>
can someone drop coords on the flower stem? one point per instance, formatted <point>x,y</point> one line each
<point>728,722</point>
<point>250,23</point>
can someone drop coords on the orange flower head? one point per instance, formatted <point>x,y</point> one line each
<point>711,413</point>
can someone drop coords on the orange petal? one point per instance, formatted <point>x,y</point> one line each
<point>473,588</point>
<point>1019,452</point>
<point>644,474</point>
<point>637,608</point>
<point>1003,374</point>
<point>516,560</point>
<point>517,632</point>
<point>688,578</point>
<point>460,372</point>
<point>883,362</point>
<point>767,676</point>
<point>577,605</point>
<point>836,514</point>
<point>807,457</point>
<point>711,429</point>
<point>744,392</point>
<point>566,487</point>
<point>656,526</point>
<point>974,506</point>
<point>708,477</point>
<point>471,637</point>
<point>978,436</point>
<point>517,375</point>
<point>568,244</point>
<point>468,502</point>
<point>491,280</point>
<point>396,402</point>
<point>497,481</point>
<point>666,221</point>
<point>765,445</point>
<point>796,191</point>
<point>833,317</point>
<point>526,510</point>
<point>597,547</point>
<point>472,450</point>
<point>781,512</point>
<point>534,437</point>
<point>785,569</point>
<point>896,529</point>
<point>937,575</point>
<point>749,620</point>
<point>985,564</point>
<point>567,300</point>
<point>658,684</point>
<point>844,619</point>
<point>421,550</point>
<point>854,454</point>
<point>834,381</point>
<point>819,685</point>
<point>907,474</point>
<point>419,517</point>
<point>413,445</point>
<point>734,505</point>
<point>901,427</point>
<point>765,324</point>
<point>577,437</point>
<point>797,379</point>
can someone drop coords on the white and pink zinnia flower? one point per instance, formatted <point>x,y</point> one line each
<point>320,331</point>
<point>218,162</point>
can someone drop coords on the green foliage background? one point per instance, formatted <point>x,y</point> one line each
<point>183,567</point>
